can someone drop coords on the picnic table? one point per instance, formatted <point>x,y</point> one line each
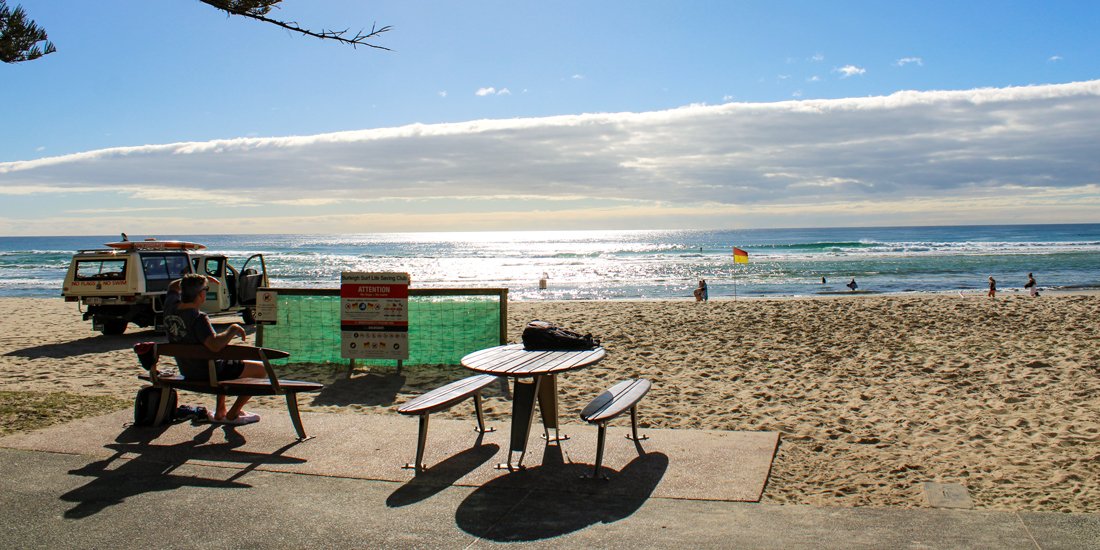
<point>535,374</point>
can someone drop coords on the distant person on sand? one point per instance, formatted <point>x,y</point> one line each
<point>701,291</point>
<point>852,284</point>
<point>992,287</point>
<point>1030,285</point>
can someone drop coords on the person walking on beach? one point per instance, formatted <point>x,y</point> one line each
<point>992,287</point>
<point>852,285</point>
<point>186,323</point>
<point>701,291</point>
<point>1030,285</point>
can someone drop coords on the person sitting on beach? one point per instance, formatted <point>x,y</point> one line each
<point>701,292</point>
<point>852,285</point>
<point>1030,285</point>
<point>992,287</point>
<point>186,323</point>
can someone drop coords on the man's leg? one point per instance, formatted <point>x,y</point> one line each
<point>252,369</point>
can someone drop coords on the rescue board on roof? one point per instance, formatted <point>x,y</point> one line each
<point>153,244</point>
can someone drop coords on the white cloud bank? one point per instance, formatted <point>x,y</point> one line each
<point>1023,154</point>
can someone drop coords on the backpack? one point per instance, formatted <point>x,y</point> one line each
<point>147,403</point>
<point>544,336</point>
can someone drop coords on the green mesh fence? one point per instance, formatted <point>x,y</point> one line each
<point>444,325</point>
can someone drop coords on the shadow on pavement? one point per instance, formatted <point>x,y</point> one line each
<point>442,475</point>
<point>152,470</point>
<point>555,499</point>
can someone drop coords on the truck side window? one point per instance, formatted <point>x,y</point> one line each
<point>213,267</point>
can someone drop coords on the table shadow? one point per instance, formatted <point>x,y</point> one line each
<point>557,498</point>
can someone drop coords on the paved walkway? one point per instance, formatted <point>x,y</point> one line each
<point>88,498</point>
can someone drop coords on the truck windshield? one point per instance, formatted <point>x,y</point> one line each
<point>101,270</point>
<point>160,267</point>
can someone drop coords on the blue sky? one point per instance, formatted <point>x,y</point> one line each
<point>522,115</point>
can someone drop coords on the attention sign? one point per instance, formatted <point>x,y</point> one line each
<point>374,315</point>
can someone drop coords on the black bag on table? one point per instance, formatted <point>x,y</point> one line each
<point>545,336</point>
<point>147,403</point>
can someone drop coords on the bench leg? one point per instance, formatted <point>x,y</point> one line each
<point>548,405</point>
<point>162,407</point>
<point>599,450</point>
<point>421,443</point>
<point>480,416</point>
<point>634,425</point>
<point>295,417</point>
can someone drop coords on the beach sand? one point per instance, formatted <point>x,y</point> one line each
<point>872,395</point>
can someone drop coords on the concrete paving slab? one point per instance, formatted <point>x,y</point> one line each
<point>687,464</point>
<point>53,500</point>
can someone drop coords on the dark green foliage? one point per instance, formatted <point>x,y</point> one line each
<point>20,37</point>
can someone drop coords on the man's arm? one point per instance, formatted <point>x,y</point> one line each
<point>218,341</point>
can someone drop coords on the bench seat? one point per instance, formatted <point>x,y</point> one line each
<point>442,398</point>
<point>272,385</point>
<point>610,404</point>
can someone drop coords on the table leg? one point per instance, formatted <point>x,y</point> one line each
<point>523,412</point>
<point>548,406</point>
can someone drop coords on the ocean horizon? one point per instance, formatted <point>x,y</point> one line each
<point>635,264</point>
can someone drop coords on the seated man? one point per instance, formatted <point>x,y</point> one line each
<point>187,324</point>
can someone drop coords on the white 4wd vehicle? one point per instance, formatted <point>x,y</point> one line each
<point>126,282</point>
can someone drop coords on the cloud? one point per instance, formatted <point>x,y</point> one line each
<point>995,154</point>
<point>482,92</point>
<point>849,70</point>
<point>909,60</point>
<point>442,93</point>
<point>578,77</point>
<point>817,58</point>
<point>1054,58</point>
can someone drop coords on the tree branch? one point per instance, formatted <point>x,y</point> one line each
<point>19,36</point>
<point>258,10</point>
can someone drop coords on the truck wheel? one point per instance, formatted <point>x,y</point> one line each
<point>248,316</point>
<point>114,327</point>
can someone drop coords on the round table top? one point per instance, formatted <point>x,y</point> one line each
<point>513,360</point>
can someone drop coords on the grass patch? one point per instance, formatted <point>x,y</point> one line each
<point>24,411</point>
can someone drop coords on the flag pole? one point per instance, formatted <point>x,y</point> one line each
<point>734,259</point>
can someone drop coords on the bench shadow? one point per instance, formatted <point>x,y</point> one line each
<point>370,389</point>
<point>114,479</point>
<point>556,498</point>
<point>442,475</point>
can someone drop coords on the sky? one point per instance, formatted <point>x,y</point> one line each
<point>169,117</point>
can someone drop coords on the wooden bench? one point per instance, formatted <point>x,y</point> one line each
<point>443,398</point>
<point>271,385</point>
<point>610,404</point>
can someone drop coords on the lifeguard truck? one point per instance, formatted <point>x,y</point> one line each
<point>127,281</point>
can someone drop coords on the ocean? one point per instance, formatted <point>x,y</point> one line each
<point>614,265</point>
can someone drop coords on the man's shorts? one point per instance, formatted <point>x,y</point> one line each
<point>226,369</point>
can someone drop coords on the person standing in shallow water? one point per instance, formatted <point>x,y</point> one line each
<point>992,287</point>
<point>1031,285</point>
<point>701,291</point>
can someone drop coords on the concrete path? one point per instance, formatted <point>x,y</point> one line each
<point>77,488</point>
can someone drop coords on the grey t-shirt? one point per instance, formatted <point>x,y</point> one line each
<point>186,326</point>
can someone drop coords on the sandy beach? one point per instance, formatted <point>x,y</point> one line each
<point>872,395</point>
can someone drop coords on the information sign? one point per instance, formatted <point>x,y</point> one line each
<point>374,315</point>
